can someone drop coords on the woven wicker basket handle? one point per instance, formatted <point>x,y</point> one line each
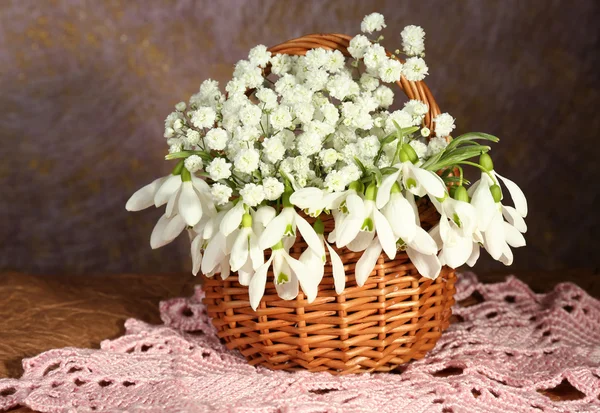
<point>413,90</point>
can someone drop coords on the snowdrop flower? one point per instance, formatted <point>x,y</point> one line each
<point>413,40</point>
<point>288,273</point>
<point>373,22</point>
<point>415,69</point>
<point>144,197</point>
<point>444,125</point>
<point>285,224</point>
<point>167,228</point>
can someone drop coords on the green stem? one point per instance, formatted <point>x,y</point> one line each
<point>482,169</point>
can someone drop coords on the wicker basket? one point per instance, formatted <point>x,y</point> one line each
<point>397,316</point>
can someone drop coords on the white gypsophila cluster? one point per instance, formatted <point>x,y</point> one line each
<point>320,136</point>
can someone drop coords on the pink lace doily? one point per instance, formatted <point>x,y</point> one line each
<point>496,359</point>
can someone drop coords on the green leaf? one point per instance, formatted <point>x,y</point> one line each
<point>470,137</point>
<point>360,165</point>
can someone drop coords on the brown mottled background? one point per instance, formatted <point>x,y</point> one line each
<point>85,86</point>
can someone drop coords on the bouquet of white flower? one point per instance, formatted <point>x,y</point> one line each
<point>298,138</point>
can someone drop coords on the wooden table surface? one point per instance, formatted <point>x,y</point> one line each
<point>39,313</point>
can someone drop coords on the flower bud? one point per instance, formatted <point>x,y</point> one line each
<point>319,227</point>
<point>412,155</point>
<point>357,186</point>
<point>485,161</point>
<point>371,192</point>
<point>178,168</point>
<point>496,192</point>
<point>396,188</point>
<point>246,221</point>
<point>460,194</point>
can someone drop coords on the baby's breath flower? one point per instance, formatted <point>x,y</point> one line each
<point>413,40</point>
<point>358,46</point>
<point>281,118</point>
<point>273,149</point>
<point>252,194</point>
<point>204,117</point>
<point>329,157</point>
<point>373,58</point>
<point>368,83</point>
<point>273,188</point>
<point>280,64</point>
<point>193,163</point>
<point>415,69</point>
<point>216,139</point>
<point>335,181</point>
<point>267,97</point>
<point>266,170</point>
<point>368,146</point>
<point>316,58</point>
<point>401,117</point>
<point>246,160</point>
<point>309,143</point>
<point>175,147</point>
<point>304,112</point>
<point>301,165</point>
<point>259,56</point>
<point>250,115</point>
<point>384,96</point>
<point>340,85</point>
<point>373,22</point>
<point>390,70</point>
<point>436,145</point>
<point>444,125</point>
<point>250,74</point>
<point>352,171</point>
<point>330,113</point>
<point>235,87</point>
<point>180,107</point>
<point>425,132</point>
<point>335,61</point>
<point>219,169</point>
<point>220,193</point>
<point>317,79</point>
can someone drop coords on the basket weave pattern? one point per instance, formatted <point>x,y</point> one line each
<point>396,316</point>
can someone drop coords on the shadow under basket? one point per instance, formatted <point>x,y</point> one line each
<point>395,317</point>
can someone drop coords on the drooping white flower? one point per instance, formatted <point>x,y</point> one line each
<point>373,22</point>
<point>415,69</point>
<point>413,40</point>
<point>418,181</point>
<point>144,197</point>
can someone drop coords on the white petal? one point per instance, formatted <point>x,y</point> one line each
<point>362,241</point>
<point>245,273</point>
<point>401,216</point>
<point>474,255</point>
<point>232,219</point>
<point>366,263</point>
<point>174,228</point>
<point>312,275</point>
<point>172,208</point>
<point>355,205</point>
<point>384,191</point>
<point>339,274</point>
<point>513,237</point>
<point>516,194</point>
<point>200,184</point>
<point>444,227</point>
<point>144,197</point>
<point>157,239</point>
<point>494,237</point>
<point>214,253</point>
<point>168,188</point>
<point>484,204</point>
<point>196,254</point>
<point>309,235</point>
<point>274,231</point>
<point>239,250</point>
<point>385,234</point>
<point>264,215</point>
<point>288,242</point>
<point>256,288</point>
<point>432,184</point>
<point>458,254</point>
<point>256,254</point>
<point>423,242</point>
<point>429,266</point>
<point>507,255</point>
<point>224,268</point>
<point>189,204</point>
<point>287,290</point>
<point>307,198</point>
<point>514,218</point>
<point>410,198</point>
<point>348,230</point>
